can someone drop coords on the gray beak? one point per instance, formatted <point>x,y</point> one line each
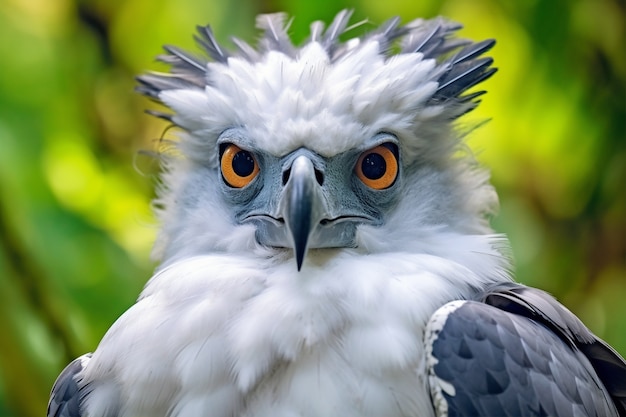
<point>305,207</point>
<point>302,205</point>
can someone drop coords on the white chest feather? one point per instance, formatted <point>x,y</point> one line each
<point>237,339</point>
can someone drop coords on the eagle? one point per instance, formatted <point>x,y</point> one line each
<point>325,246</point>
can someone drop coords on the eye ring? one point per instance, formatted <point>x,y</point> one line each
<point>378,167</point>
<point>239,167</point>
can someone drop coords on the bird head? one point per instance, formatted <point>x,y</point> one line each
<point>331,144</point>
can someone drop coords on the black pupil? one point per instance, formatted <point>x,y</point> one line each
<point>373,166</point>
<point>243,163</point>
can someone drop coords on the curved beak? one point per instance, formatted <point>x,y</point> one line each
<point>302,205</point>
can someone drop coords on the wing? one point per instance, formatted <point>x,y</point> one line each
<point>517,352</point>
<point>66,395</point>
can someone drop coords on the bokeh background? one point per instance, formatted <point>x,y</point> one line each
<point>75,187</point>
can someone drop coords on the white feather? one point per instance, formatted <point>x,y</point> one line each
<point>246,328</point>
<point>288,103</point>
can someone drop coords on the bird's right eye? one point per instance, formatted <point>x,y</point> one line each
<point>239,167</point>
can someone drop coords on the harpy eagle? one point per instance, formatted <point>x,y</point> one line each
<point>326,251</point>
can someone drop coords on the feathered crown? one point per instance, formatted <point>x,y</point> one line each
<point>413,69</point>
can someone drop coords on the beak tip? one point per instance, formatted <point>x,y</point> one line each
<point>300,202</point>
<point>299,258</point>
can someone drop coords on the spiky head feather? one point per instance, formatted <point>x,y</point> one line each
<point>398,78</point>
<point>330,95</point>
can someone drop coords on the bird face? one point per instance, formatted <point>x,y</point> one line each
<point>303,200</point>
<point>328,145</point>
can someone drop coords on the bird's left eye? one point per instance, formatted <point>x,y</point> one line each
<point>239,167</point>
<point>378,167</point>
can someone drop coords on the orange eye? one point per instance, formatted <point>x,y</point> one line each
<point>378,167</point>
<point>239,167</point>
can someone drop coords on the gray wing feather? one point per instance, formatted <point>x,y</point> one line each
<point>542,307</point>
<point>67,394</point>
<point>538,305</point>
<point>517,351</point>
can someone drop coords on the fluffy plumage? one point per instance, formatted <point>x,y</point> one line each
<point>298,97</point>
<point>229,325</point>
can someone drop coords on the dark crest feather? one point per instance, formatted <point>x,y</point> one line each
<point>161,115</point>
<point>276,37</point>
<point>542,307</point>
<point>463,76</point>
<point>416,39</point>
<point>473,50</point>
<point>186,61</point>
<point>337,27</point>
<point>207,41</point>
<point>152,84</point>
<point>461,65</point>
<point>317,30</point>
<point>246,50</point>
<point>387,33</point>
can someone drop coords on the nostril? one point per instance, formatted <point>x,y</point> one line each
<point>319,176</point>
<point>286,175</point>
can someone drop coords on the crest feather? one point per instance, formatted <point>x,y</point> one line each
<point>208,42</point>
<point>459,62</point>
<point>336,28</point>
<point>276,37</point>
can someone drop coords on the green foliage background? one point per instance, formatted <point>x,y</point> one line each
<point>75,222</point>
